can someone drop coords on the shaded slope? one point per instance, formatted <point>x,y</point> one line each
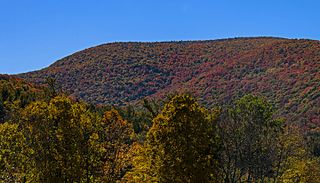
<point>284,70</point>
<point>16,93</point>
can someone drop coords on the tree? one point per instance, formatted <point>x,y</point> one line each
<point>181,145</point>
<point>73,144</point>
<point>313,137</point>
<point>2,111</point>
<point>249,136</point>
<point>52,89</point>
<point>14,155</point>
<point>141,117</point>
<point>59,133</point>
<point>116,138</point>
<point>296,163</point>
<point>152,106</point>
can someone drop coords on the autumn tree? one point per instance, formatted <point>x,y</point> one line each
<point>181,145</point>
<point>59,133</point>
<point>115,140</point>
<point>14,155</point>
<point>296,162</point>
<point>73,144</point>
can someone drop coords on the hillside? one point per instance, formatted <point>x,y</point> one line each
<point>284,70</point>
<point>16,93</point>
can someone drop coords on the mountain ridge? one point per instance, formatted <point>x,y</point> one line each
<point>284,70</point>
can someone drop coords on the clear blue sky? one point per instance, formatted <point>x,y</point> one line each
<point>35,33</point>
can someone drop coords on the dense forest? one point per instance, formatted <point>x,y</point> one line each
<point>48,136</point>
<point>216,72</point>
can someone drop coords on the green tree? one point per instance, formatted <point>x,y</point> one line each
<point>181,145</point>
<point>2,112</point>
<point>52,89</point>
<point>249,136</point>
<point>313,136</point>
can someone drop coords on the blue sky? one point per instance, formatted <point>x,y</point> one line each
<point>35,33</point>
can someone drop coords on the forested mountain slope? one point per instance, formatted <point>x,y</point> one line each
<point>15,93</point>
<point>286,71</point>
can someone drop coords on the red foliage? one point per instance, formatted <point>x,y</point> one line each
<point>286,71</point>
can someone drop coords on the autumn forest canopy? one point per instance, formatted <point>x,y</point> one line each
<point>229,111</point>
<point>286,71</point>
<point>46,136</point>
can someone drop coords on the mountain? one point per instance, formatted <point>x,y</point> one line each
<point>286,71</point>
